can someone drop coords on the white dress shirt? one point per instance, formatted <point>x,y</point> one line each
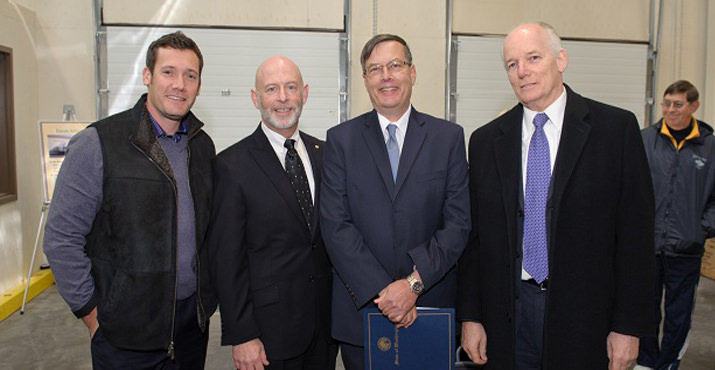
<point>277,141</point>
<point>552,129</point>
<point>401,127</point>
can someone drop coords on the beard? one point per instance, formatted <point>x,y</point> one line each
<point>280,124</point>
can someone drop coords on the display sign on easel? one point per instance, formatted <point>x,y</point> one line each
<point>54,138</point>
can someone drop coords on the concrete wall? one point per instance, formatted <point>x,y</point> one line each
<point>423,24</point>
<point>17,32</point>
<point>53,42</point>
<point>685,52</point>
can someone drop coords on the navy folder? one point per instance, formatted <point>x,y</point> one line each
<point>426,345</point>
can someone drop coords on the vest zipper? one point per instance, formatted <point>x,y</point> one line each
<point>170,351</point>
<point>201,313</point>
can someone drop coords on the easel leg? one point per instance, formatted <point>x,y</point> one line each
<point>45,207</point>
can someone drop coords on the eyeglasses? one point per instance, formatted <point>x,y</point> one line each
<point>394,66</point>
<point>675,104</point>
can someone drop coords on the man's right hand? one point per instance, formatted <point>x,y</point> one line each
<point>250,355</point>
<point>474,341</point>
<point>91,321</point>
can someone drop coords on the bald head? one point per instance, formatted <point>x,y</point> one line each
<point>535,62</point>
<point>279,94</point>
<point>545,32</point>
<point>275,64</point>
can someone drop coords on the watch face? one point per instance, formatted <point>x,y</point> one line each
<point>417,287</point>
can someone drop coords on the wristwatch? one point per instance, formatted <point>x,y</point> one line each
<point>416,285</point>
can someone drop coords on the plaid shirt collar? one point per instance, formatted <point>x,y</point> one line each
<point>159,132</point>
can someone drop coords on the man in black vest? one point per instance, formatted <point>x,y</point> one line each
<point>128,218</point>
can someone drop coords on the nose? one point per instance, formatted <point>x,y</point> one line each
<point>521,70</point>
<point>282,95</point>
<point>179,83</point>
<point>385,74</point>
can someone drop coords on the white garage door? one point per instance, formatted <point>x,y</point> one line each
<point>230,61</point>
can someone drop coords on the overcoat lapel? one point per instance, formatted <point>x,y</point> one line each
<point>375,142</point>
<point>414,138</point>
<point>573,140</point>
<point>507,148</point>
<point>266,158</point>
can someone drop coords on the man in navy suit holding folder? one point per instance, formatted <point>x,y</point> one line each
<point>395,203</point>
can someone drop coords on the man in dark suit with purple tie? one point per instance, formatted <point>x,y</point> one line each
<point>558,271</point>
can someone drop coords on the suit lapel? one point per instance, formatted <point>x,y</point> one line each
<point>414,138</point>
<point>507,148</point>
<point>375,142</point>
<point>315,152</point>
<point>266,158</point>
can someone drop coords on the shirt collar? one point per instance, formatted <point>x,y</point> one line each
<point>277,140</point>
<point>401,122</point>
<point>694,133</point>
<point>555,111</point>
<point>159,132</point>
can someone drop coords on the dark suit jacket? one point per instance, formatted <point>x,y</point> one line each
<point>600,233</point>
<point>376,230</point>
<point>271,273</point>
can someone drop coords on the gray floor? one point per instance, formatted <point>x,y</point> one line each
<point>48,336</point>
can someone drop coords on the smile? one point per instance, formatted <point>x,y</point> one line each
<point>177,98</point>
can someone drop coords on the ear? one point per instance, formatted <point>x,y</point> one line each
<point>694,106</point>
<point>306,89</point>
<point>413,74</point>
<point>146,76</point>
<point>254,98</point>
<point>562,60</point>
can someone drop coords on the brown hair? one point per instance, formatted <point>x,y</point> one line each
<point>682,86</point>
<point>176,40</point>
<point>383,37</point>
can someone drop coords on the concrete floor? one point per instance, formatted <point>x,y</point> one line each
<point>48,336</point>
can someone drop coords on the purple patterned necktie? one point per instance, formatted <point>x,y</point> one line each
<point>538,177</point>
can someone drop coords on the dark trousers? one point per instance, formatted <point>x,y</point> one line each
<point>189,343</point>
<point>529,327</point>
<point>320,355</point>
<point>353,356</point>
<point>679,277</point>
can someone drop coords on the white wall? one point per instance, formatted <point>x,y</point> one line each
<point>315,14</point>
<point>604,20</point>
<point>17,31</point>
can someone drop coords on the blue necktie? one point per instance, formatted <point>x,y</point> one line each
<point>393,150</point>
<point>538,177</point>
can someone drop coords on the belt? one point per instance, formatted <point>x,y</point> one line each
<point>543,286</point>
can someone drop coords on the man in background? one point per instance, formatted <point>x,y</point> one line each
<point>558,270</point>
<point>267,259</point>
<point>129,215</point>
<point>395,202</point>
<point>681,151</point>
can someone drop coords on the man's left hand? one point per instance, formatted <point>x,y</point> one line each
<point>622,351</point>
<point>396,300</point>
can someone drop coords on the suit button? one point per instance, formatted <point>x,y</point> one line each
<point>314,246</point>
<point>311,278</point>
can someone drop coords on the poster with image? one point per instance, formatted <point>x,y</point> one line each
<point>54,138</point>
